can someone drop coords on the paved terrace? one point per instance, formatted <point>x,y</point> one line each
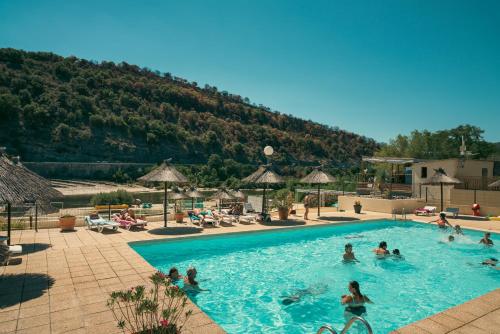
<point>62,281</point>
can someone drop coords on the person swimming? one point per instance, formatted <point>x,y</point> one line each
<point>382,249</point>
<point>190,282</point>
<point>458,230</point>
<point>174,275</point>
<point>397,254</point>
<point>297,296</point>
<point>442,221</point>
<point>355,301</point>
<point>486,239</point>
<point>349,254</point>
<point>490,262</point>
<point>449,239</point>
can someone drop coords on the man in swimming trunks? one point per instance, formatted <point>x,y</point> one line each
<point>486,239</point>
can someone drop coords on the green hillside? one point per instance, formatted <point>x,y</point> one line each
<point>69,109</point>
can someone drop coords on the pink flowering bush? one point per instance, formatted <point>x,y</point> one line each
<point>160,309</point>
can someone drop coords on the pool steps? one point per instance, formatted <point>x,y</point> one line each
<point>347,326</point>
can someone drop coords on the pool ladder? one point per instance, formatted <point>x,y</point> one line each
<point>395,214</point>
<point>347,326</point>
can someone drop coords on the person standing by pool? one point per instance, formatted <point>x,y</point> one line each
<point>355,301</point>
<point>486,239</point>
<point>307,204</point>
<point>349,254</point>
<point>382,249</point>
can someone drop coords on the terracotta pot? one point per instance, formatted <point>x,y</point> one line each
<point>283,213</point>
<point>357,208</point>
<point>67,223</point>
<point>179,217</point>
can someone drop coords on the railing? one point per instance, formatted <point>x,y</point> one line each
<point>395,214</point>
<point>347,326</point>
<point>476,182</point>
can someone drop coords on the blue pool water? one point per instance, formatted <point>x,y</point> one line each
<point>248,274</point>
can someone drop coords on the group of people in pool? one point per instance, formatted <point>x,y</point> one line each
<point>190,282</point>
<point>381,251</point>
<point>443,223</point>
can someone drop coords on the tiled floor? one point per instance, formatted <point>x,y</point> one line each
<point>62,281</point>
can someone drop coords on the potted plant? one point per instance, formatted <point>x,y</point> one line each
<point>357,207</point>
<point>179,215</point>
<point>283,201</point>
<point>67,222</point>
<point>159,308</point>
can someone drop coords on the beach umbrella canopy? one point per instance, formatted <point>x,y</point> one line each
<point>264,175</point>
<point>222,194</point>
<point>494,184</point>
<point>165,173</point>
<point>318,176</point>
<point>19,185</point>
<point>238,194</point>
<point>440,178</point>
<point>194,193</point>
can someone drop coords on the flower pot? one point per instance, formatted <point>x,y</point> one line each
<point>357,208</point>
<point>283,213</point>
<point>67,223</point>
<point>179,217</point>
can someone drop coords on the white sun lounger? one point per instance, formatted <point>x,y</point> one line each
<point>100,223</point>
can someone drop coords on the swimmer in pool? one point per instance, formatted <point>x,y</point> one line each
<point>397,254</point>
<point>382,249</point>
<point>450,239</point>
<point>349,254</point>
<point>174,275</point>
<point>297,296</point>
<point>486,239</point>
<point>490,262</point>
<point>355,301</point>
<point>458,230</point>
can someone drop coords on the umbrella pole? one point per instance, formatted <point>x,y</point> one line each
<point>192,203</point>
<point>8,223</point>
<point>264,199</point>
<point>319,198</point>
<point>165,205</point>
<point>442,199</point>
<point>36,217</point>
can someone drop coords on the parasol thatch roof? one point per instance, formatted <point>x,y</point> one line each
<point>194,193</point>
<point>222,194</point>
<point>318,176</point>
<point>164,173</point>
<point>177,194</point>
<point>264,174</point>
<point>440,177</point>
<point>494,184</point>
<point>20,185</point>
<point>238,194</point>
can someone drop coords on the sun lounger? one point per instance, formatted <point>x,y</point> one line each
<point>6,253</point>
<point>96,221</point>
<point>200,219</point>
<point>128,224</point>
<point>452,211</point>
<point>426,210</point>
<point>147,205</point>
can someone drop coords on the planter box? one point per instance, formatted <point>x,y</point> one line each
<point>67,223</point>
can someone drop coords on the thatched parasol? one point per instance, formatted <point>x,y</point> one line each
<point>222,194</point>
<point>20,185</point>
<point>193,193</point>
<point>177,195</point>
<point>264,175</point>
<point>319,177</point>
<point>238,194</point>
<point>165,173</point>
<point>440,178</point>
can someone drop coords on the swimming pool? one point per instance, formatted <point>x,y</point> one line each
<point>248,274</point>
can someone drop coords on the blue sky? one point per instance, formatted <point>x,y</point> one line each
<point>377,68</point>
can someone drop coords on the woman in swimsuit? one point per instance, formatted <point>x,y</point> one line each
<point>382,249</point>
<point>442,221</point>
<point>355,302</point>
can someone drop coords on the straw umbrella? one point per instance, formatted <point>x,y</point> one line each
<point>19,185</point>
<point>238,194</point>
<point>319,177</point>
<point>264,175</point>
<point>220,195</point>
<point>193,193</point>
<point>165,173</point>
<point>494,184</point>
<point>440,178</point>
<point>177,195</point>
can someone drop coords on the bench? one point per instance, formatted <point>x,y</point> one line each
<point>452,211</point>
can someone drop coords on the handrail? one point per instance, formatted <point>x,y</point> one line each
<point>326,328</point>
<point>353,320</point>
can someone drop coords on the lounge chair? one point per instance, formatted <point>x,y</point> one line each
<point>426,210</point>
<point>96,221</point>
<point>6,253</point>
<point>147,205</point>
<point>452,211</point>
<point>128,224</point>
<point>197,218</point>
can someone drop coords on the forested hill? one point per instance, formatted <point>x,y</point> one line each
<point>68,109</point>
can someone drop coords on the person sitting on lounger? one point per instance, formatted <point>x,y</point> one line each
<point>486,239</point>
<point>349,254</point>
<point>442,221</point>
<point>174,275</point>
<point>382,249</point>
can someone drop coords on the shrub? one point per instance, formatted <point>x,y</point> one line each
<point>115,197</point>
<point>157,310</point>
<point>283,199</point>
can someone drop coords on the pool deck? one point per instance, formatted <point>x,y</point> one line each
<point>61,282</point>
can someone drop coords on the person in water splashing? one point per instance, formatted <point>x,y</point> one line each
<point>355,301</point>
<point>297,295</point>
